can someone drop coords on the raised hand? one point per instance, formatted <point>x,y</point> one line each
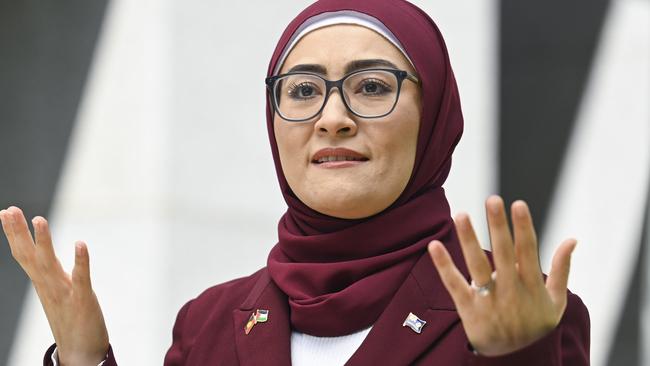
<point>69,301</point>
<point>510,307</point>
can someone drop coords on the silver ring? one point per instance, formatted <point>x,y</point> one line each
<point>484,290</point>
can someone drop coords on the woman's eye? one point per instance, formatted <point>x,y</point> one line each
<point>370,88</point>
<point>303,91</point>
<point>374,87</point>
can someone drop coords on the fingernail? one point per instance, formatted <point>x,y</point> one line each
<point>520,209</point>
<point>431,244</point>
<point>77,249</point>
<point>459,217</point>
<point>493,204</point>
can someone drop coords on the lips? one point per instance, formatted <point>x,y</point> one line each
<point>329,154</point>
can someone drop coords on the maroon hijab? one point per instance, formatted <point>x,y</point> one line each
<point>340,274</point>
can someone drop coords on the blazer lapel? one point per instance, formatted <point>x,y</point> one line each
<point>423,294</point>
<point>268,343</point>
<point>387,343</point>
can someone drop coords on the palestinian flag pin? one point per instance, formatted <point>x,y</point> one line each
<point>261,315</point>
<point>258,316</point>
<point>414,322</point>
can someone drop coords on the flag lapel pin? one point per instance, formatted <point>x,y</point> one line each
<point>414,322</point>
<point>258,316</point>
<point>261,315</point>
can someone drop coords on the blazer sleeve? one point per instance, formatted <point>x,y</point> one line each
<point>108,361</point>
<point>566,345</point>
<point>177,353</point>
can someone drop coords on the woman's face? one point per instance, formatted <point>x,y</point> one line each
<point>349,189</point>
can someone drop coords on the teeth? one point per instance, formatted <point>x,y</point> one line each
<point>336,158</point>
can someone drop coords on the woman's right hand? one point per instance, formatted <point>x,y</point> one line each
<point>69,301</point>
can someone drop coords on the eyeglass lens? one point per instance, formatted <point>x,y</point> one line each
<point>370,93</point>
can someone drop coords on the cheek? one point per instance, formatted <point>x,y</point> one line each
<point>292,147</point>
<point>397,148</point>
<point>398,164</point>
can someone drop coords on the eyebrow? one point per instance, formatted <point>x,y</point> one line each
<point>349,67</point>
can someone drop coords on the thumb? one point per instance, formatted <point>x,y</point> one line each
<point>556,283</point>
<point>81,271</point>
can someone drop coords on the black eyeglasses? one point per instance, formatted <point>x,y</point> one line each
<point>368,93</point>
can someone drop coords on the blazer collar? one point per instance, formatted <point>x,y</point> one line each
<point>422,293</point>
<point>267,343</point>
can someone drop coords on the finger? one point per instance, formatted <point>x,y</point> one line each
<point>451,277</point>
<point>81,271</point>
<point>5,218</point>
<point>477,262</point>
<point>526,250</point>
<point>557,280</point>
<point>501,239</point>
<point>43,238</point>
<point>23,244</point>
<point>6,226</point>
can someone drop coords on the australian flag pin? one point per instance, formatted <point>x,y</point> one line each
<point>258,316</point>
<point>416,324</point>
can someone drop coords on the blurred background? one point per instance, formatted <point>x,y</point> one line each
<point>139,127</point>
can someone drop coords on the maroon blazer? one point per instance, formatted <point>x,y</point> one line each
<point>209,330</point>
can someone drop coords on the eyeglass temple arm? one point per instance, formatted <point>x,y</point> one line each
<point>413,78</point>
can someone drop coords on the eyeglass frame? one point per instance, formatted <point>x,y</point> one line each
<point>401,75</point>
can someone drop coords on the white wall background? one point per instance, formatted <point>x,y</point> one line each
<point>170,179</point>
<point>601,194</point>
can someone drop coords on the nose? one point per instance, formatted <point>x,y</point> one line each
<point>335,119</point>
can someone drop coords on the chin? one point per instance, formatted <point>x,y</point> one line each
<point>348,196</point>
<point>342,213</point>
<point>346,206</point>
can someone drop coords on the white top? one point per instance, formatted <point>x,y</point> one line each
<point>308,350</point>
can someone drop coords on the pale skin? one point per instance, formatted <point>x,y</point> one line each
<point>520,308</point>
<point>388,142</point>
<point>69,301</point>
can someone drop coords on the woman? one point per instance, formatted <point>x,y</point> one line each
<point>363,115</point>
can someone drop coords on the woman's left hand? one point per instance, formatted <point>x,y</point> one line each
<point>515,307</point>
